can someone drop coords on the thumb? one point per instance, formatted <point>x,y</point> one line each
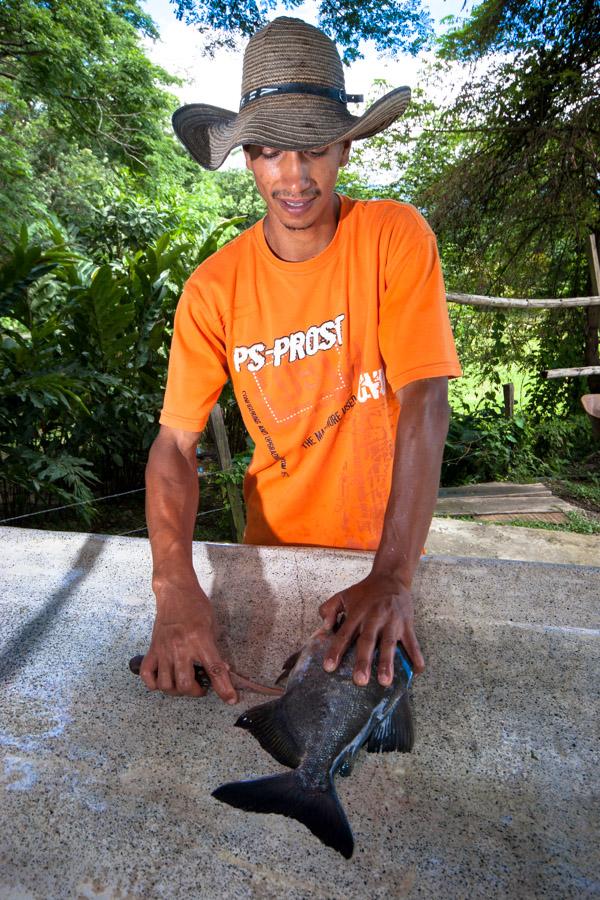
<point>330,610</point>
<point>411,645</point>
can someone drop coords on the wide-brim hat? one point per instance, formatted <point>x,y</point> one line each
<point>293,98</point>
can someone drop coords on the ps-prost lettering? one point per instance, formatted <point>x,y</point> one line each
<point>290,347</point>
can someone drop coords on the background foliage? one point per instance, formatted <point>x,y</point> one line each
<point>103,216</point>
<point>392,25</point>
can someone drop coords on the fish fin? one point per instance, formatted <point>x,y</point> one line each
<point>346,767</point>
<point>345,762</point>
<point>288,666</point>
<point>320,810</point>
<point>395,732</point>
<point>268,725</point>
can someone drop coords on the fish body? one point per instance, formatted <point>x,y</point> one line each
<point>316,728</point>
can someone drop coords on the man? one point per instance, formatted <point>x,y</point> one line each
<point>329,317</point>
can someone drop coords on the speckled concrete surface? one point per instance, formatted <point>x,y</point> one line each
<point>106,788</point>
<point>455,538</point>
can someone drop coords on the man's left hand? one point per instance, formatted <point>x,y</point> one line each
<point>377,611</point>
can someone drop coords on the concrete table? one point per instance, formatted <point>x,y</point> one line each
<point>106,789</point>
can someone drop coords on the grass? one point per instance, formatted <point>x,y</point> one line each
<point>584,492</point>
<point>471,391</point>
<point>579,523</point>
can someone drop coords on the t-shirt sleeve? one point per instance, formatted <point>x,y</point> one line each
<point>197,363</point>
<point>415,337</point>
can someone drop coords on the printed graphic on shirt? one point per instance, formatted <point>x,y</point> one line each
<point>291,347</point>
<point>297,374</point>
<point>267,437</point>
<point>293,390</point>
<point>334,419</point>
<point>371,386</point>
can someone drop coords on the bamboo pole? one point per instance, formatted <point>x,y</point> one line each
<point>521,302</point>
<point>570,373</point>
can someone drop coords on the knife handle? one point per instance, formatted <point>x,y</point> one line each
<point>199,671</point>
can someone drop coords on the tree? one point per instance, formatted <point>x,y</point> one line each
<point>530,166</point>
<point>392,26</point>
<point>79,67</point>
<point>84,128</point>
<point>507,176</point>
<point>530,123</point>
<point>78,100</point>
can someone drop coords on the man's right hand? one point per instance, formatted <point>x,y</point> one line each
<point>184,628</point>
<point>183,634</point>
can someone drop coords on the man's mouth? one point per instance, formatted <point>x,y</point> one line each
<point>296,206</point>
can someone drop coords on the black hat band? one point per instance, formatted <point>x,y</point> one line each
<point>298,87</point>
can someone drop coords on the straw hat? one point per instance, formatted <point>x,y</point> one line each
<point>293,98</point>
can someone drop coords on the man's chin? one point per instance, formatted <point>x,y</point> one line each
<point>297,227</point>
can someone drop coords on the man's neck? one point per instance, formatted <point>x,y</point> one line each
<point>300,244</point>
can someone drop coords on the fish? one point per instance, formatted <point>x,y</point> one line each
<point>316,729</point>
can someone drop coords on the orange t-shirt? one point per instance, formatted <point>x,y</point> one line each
<point>315,351</point>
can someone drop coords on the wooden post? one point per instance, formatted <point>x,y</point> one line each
<point>233,494</point>
<point>592,357</point>
<point>509,399</point>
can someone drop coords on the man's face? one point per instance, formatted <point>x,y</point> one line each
<point>297,185</point>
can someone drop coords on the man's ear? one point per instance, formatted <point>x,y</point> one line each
<point>347,146</point>
<point>247,156</point>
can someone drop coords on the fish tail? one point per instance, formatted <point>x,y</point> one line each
<point>317,808</point>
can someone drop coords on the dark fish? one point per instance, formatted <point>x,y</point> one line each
<point>317,728</point>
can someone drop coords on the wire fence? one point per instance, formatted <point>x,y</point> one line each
<point>53,509</point>
<point>145,527</point>
<point>94,500</point>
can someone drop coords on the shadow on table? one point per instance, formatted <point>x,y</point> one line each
<point>19,649</point>
<point>245,607</point>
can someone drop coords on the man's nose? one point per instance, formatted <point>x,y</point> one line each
<point>295,172</point>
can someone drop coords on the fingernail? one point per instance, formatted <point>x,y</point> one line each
<point>329,665</point>
<point>361,678</point>
<point>232,701</point>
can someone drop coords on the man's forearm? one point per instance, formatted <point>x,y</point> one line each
<point>183,632</point>
<point>171,508</point>
<point>422,429</point>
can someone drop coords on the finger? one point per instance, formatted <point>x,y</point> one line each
<point>411,645</point>
<point>385,667</point>
<point>338,646</point>
<point>149,671</point>
<point>185,680</point>
<point>218,672</point>
<point>221,682</point>
<point>364,657</point>
<point>330,610</point>
<point>165,681</point>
